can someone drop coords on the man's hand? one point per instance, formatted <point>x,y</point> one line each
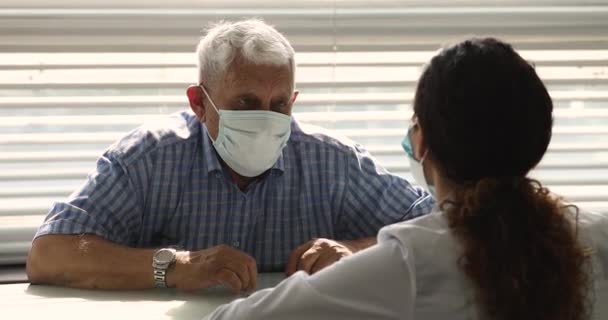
<point>217,265</point>
<point>317,254</point>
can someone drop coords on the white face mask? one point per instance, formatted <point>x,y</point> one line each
<point>250,142</point>
<point>417,167</point>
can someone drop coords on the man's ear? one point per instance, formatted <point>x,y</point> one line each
<point>195,97</point>
<point>295,96</point>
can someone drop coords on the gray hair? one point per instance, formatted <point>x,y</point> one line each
<point>252,40</point>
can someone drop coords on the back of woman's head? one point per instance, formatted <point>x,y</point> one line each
<point>484,111</point>
<point>486,119</point>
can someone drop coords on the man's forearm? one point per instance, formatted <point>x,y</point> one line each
<point>89,262</point>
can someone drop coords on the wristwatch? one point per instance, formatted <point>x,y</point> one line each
<point>161,261</point>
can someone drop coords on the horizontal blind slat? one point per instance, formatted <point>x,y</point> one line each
<point>319,116</point>
<point>45,61</point>
<point>303,99</point>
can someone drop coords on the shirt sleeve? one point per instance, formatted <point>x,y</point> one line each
<point>106,206</point>
<point>376,283</point>
<point>375,198</point>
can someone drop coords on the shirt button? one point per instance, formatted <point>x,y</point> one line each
<point>236,244</point>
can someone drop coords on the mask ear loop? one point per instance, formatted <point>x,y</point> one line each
<point>210,100</point>
<point>424,157</point>
<point>414,125</point>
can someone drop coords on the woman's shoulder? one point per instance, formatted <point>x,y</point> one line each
<point>432,225</point>
<point>590,219</point>
<point>427,240</point>
<point>593,228</point>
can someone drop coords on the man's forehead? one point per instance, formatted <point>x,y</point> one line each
<point>253,72</point>
<point>250,80</point>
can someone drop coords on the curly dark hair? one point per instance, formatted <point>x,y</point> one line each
<point>486,119</point>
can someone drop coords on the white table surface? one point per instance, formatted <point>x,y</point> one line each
<point>25,301</point>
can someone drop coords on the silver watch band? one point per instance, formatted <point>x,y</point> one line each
<point>160,277</point>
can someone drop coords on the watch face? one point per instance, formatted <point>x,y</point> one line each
<point>164,256</point>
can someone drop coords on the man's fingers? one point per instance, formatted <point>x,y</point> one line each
<point>294,257</point>
<point>241,270</point>
<point>326,259</point>
<point>307,260</point>
<point>229,279</point>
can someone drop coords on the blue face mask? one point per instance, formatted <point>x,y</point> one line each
<point>416,166</point>
<point>250,142</point>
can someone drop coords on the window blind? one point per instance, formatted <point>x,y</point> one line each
<point>75,76</point>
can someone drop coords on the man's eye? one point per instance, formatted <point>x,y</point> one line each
<point>246,103</point>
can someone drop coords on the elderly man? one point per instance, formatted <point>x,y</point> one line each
<point>214,195</point>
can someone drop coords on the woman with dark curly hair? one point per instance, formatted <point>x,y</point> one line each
<point>498,246</point>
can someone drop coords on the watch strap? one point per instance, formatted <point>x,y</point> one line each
<point>160,277</point>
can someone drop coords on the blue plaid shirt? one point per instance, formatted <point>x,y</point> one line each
<point>163,185</point>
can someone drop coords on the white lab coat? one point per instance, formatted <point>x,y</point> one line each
<point>411,274</point>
